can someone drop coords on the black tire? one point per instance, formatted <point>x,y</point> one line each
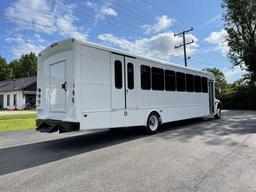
<point>218,113</point>
<point>153,123</point>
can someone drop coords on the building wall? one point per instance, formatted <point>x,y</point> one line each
<point>20,99</point>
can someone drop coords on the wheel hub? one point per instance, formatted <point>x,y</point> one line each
<point>153,123</point>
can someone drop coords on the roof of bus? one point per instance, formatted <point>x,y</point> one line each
<point>126,53</point>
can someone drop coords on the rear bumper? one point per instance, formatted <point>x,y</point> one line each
<point>50,126</point>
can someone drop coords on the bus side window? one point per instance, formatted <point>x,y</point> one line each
<point>204,85</point>
<point>130,75</point>
<point>145,77</point>
<point>190,85</point>
<point>118,74</point>
<point>180,77</point>
<point>157,79</point>
<point>170,80</point>
<point>198,83</point>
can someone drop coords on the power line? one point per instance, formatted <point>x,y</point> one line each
<point>120,26</point>
<point>199,34</point>
<point>203,63</point>
<point>126,9</point>
<point>140,11</point>
<point>129,12</point>
<point>37,24</point>
<point>124,26</point>
<point>184,44</point>
<point>90,37</point>
<point>25,21</point>
<point>156,7</point>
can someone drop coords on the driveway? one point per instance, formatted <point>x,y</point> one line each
<point>194,155</point>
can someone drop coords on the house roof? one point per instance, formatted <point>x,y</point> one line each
<point>16,84</point>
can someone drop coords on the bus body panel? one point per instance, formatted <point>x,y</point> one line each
<point>77,83</point>
<point>55,85</point>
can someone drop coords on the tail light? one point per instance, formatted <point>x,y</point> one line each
<point>38,97</point>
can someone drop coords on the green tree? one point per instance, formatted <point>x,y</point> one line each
<point>16,67</point>
<point>5,70</point>
<point>240,18</point>
<point>221,83</point>
<point>25,66</point>
<point>29,64</point>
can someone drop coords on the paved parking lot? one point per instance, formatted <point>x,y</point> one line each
<point>194,155</point>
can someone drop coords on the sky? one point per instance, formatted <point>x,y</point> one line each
<point>144,27</point>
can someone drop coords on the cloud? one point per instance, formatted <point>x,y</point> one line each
<point>101,12</point>
<point>108,11</point>
<point>162,23</point>
<point>214,19</point>
<point>159,46</point>
<point>219,40</point>
<point>51,17</point>
<point>233,74</point>
<point>22,45</point>
<point>91,4</point>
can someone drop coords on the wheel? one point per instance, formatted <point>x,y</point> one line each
<point>153,123</point>
<point>218,112</point>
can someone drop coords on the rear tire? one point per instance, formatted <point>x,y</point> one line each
<point>218,112</point>
<point>153,123</point>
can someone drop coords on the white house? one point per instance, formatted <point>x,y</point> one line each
<point>18,93</point>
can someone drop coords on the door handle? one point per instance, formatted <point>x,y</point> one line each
<point>64,86</point>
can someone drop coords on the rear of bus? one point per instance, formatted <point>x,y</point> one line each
<point>56,88</point>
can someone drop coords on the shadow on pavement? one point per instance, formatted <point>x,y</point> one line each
<point>26,156</point>
<point>214,132</point>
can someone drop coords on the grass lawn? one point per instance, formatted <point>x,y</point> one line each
<point>17,122</point>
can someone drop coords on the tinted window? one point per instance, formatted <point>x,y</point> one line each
<point>157,78</point>
<point>118,74</point>
<point>190,82</point>
<point>204,85</point>
<point>170,80</point>
<point>130,75</point>
<point>180,77</point>
<point>145,77</point>
<point>198,84</point>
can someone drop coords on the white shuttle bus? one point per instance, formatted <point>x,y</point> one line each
<point>81,85</point>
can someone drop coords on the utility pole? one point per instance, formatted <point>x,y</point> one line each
<point>183,33</point>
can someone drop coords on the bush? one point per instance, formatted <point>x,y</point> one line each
<point>242,97</point>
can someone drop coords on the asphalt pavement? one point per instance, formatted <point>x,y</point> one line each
<point>193,155</point>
